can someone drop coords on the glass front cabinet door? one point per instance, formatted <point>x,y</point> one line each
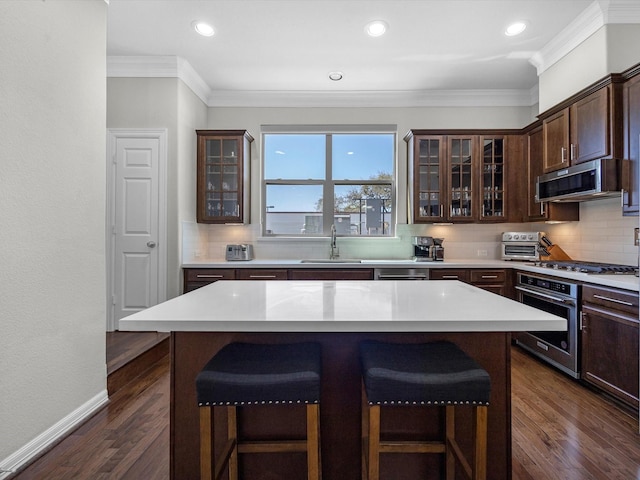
<point>460,165</point>
<point>492,178</point>
<point>223,176</point>
<point>429,187</point>
<point>456,178</point>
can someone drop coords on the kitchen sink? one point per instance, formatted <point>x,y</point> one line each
<point>330,260</point>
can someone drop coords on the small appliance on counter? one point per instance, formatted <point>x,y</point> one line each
<point>241,252</point>
<point>521,245</point>
<point>428,249</point>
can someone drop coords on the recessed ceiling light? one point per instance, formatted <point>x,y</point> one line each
<point>335,76</point>
<point>515,28</point>
<point>376,28</point>
<point>203,29</point>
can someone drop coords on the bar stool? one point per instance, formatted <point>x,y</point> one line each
<point>244,374</point>
<point>429,374</point>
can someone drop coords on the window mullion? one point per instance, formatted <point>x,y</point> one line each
<point>328,189</point>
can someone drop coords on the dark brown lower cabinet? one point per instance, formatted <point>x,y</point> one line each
<point>493,280</point>
<point>610,329</point>
<point>261,274</point>
<point>199,277</point>
<point>331,274</point>
<point>195,278</point>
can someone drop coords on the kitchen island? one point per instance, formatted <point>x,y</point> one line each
<point>338,315</point>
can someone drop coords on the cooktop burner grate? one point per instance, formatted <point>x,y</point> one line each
<point>590,267</point>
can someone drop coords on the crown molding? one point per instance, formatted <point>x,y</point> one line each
<point>586,24</point>
<point>177,67</point>
<point>387,99</point>
<point>169,66</point>
<point>595,16</point>
<point>621,11</point>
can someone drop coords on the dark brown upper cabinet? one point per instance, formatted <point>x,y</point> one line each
<point>585,127</point>
<point>223,185</point>
<point>460,177</point>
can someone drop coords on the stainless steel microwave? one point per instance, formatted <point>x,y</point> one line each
<point>585,181</point>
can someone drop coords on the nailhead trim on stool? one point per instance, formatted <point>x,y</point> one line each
<point>428,374</point>
<point>245,374</point>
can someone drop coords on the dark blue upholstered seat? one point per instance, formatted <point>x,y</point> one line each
<point>250,374</point>
<point>437,373</point>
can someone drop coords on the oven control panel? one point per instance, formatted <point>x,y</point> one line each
<point>547,284</point>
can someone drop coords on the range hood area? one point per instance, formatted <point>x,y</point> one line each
<point>586,181</point>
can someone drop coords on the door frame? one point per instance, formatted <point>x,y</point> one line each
<point>113,134</point>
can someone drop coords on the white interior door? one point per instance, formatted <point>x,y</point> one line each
<point>137,222</point>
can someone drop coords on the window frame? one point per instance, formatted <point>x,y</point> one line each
<point>328,183</point>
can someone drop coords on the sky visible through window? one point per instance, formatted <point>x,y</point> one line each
<point>357,157</point>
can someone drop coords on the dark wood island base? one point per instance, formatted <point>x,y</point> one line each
<point>339,409</point>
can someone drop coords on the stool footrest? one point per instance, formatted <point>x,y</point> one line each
<point>457,453</point>
<point>272,447</point>
<point>412,447</point>
<point>221,463</point>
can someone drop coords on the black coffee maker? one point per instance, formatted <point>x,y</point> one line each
<point>428,249</point>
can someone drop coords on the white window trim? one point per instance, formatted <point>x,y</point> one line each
<point>327,213</point>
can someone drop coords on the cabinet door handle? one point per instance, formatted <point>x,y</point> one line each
<point>583,322</point>
<point>489,276</point>
<point>563,153</point>
<point>210,276</point>
<point>574,150</point>
<point>450,277</point>
<point>442,210</point>
<point>262,276</point>
<point>614,300</point>
<point>542,208</point>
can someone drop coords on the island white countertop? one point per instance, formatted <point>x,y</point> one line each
<point>341,306</point>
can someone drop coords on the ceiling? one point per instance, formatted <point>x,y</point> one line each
<point>290,46</point>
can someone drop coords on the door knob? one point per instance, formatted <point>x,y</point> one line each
<point>151,244</point>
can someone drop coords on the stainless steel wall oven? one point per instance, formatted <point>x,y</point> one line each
<point>561,298</point>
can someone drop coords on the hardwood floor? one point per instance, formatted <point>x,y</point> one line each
<point>561,430</point>
<point>129,354</point>
<point>128,439</point>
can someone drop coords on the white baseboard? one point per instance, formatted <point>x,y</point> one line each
<point>18,459</point>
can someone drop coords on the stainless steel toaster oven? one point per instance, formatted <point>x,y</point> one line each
<point>521,245</point>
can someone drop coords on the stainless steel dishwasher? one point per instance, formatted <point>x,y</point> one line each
<point>401,274</point>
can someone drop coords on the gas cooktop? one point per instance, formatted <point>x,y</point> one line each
<point>589,267</point>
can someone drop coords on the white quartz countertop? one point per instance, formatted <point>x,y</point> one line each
<point>341,306</point>
<point>628,282</point>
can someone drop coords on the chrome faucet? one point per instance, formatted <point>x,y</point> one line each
<point>334,244</point>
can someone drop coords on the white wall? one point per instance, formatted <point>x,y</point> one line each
<point>405,118</point>
<point>52,191</point>
<point>192,115</point>
<point>612,49</point>
<point>164,103</point>
<point>461,241</point>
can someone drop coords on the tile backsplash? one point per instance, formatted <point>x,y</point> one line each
<point>601,235</point>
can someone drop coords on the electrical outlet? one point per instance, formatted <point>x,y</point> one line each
<point>482,253</point>
<point>636,242</point>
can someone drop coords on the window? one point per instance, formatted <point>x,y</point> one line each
<point>340,176</point>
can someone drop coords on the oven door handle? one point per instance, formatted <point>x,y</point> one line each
<point>564,301</point>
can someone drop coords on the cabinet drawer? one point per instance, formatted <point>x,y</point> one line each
<point>449,274</point>
<point>613,299</point>
<point>210,274</point>
<point>488,276</point>
<point>331,274</point>
<point>260,274</point>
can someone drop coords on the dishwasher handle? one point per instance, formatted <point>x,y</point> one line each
<point>388,276</point>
